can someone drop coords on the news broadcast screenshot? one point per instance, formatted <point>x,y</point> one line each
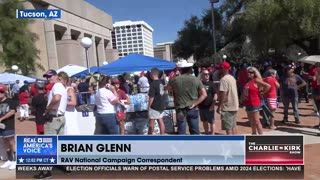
<point>170,89</point>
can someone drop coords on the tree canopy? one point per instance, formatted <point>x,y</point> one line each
<point>248,29</point>
<point>16,40</point>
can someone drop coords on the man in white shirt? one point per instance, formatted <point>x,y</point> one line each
<point>57,103</point>
<point>143,83</point>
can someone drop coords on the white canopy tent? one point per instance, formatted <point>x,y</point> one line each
<point>310,59</point>
<point>9,78</point>
<point>71,69</point>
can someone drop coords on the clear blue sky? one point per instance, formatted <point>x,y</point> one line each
<point>166,17</point>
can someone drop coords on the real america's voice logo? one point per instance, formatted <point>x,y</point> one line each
<point>38,13</point>
<point>37,150</point>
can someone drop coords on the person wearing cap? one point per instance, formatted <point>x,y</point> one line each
<point>57,103</point>
<point>290,84</point>
<point>251,98</point>
<point>7,131</point>
<point>156,102</point>
<point>271,96</point>
<point>38,106</point>
<point>49,84</point>
<point>143,83</point>
<point>188,93</point>
<point>121,111</point>
<point>55,110</point>
<point>228,105</point>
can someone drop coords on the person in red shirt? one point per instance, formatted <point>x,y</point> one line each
<point>23,103</point>
<point>33,89</point>
<point>124,98</point>
<point>251,98</point>
<point>48,87</point>
<point>316,91</point>
<point>271,95</point>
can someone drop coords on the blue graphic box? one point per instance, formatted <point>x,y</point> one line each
<point>41,150</point>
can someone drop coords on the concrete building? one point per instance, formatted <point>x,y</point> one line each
<point>163,51</point>
<point>133,37</point>
<point>59,39</point>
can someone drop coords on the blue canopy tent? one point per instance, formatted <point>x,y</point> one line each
<point>130,63</point>
<point>93,69</point>
<point>135,62</point>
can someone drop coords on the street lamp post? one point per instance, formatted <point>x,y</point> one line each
<point>14,68</point>
<point>86,43</point>
<point>224,57</point>
<point>213,26</point>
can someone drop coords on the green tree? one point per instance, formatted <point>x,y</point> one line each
<point>195,38</point>
<point>279,24</point>
<point>17,41</point>
<point>248,29</point>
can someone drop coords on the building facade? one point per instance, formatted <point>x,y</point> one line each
<point>164,51</point>
<point>132,37</point>
<point>59,39</point>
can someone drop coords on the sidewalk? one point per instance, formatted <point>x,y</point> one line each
<point>6,174</point>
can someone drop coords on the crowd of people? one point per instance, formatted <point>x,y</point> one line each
<point>220,89</point>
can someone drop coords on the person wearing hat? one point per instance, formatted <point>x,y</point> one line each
<point>55,110</point>
<point>49,84</point>
<point>57,103</point>
<point>188,92</point>
<point>38,106</point>
<point>290,84</point>
<point>7,131</point>
<point>228,105</point>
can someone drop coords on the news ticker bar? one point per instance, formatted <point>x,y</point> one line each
<point>38,13</point>
<point>159,150</point>
<point>170,171</point>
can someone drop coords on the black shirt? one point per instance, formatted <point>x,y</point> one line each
<point>83,87</point>
<point>157,91</point>
<point>206,103</point>
<point>5,107</point>
<point>39,103</point>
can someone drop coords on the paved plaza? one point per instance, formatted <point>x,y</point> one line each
<point>312,137</point>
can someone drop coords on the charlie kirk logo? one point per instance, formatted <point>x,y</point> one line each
<point>38,13</point>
